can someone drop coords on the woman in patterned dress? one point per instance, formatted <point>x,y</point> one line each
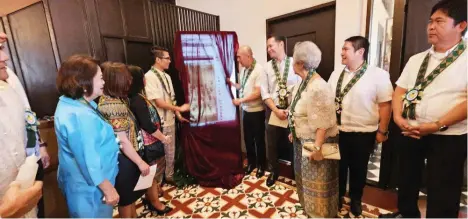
<point>114,106</point>
<point>312,119</point>
<point>150,125</point>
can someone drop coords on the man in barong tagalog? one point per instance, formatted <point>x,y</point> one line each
<point>429,106</point>
<point>276,85</point>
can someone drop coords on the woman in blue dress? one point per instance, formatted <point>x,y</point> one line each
<point>88,147</point>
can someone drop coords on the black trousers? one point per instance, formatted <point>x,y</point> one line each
<point>446,157</point>
<point>254,137</point>
<point>355,150</point>
<point>277,138</point>
<point>40,177</point>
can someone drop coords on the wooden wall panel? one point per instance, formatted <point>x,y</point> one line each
<point>140,54</point>
<point>415,34</point>
<point>137,19</point>
<point>34,51</point>
<point>44,34</point>
<point>76,40</point>
<point>114,49</point>
<point>110,17</point>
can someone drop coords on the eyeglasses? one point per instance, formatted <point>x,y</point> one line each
<point>167,58</point>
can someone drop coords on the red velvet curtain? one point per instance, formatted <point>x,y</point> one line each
<point>211,142</point>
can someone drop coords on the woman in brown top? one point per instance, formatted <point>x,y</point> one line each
<point>114,107</point>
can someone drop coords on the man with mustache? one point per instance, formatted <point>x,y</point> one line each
<point>429,106</point>
<point>14,202</point>
<point>34,144</point>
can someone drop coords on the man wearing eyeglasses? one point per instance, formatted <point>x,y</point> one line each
<point>160,91</point>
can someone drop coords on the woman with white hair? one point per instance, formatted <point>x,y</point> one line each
<point>312,121</point>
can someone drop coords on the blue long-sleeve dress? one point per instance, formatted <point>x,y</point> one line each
<point>88,153</point>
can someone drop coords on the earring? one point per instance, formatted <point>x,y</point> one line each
<point>85,90</point>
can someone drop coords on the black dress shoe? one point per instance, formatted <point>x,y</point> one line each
<point>249,169</point>
<point>356,208</point>
<point>271,179</point>
<point>260,172</point>
<point>151,207</point>
<point>391,215</point>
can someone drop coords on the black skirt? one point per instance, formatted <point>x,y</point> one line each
<point>126,181</point>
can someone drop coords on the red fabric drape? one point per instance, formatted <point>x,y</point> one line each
<point>212,149</point>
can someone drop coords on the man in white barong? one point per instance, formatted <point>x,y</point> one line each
<point>14,202</point>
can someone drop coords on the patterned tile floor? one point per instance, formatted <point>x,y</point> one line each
<point>250,199</point>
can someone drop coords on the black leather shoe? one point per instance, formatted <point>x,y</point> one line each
<point>271,179</point>
<point>249,169</point>
<point>391,215</point>
<point>356,208</point>
<point>260,172</point>
<point>151,207</point>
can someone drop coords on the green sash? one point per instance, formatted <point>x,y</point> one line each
<point>168,88</point>
<point>282,81</point>
<point>339,95</point>
<point>414,95</point>
<point>246,77</point>
<point>296,99</point>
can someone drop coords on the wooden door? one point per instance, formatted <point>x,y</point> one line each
<point>315,24</point>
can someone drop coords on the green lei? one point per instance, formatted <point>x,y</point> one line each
<point>246,77</point>
<point>414,95</point>
<point>282,88</point>
<point>168,88</point>
<point>296,99</point>
<point>339,95</point>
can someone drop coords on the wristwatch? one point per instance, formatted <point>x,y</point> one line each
<point>383,133</point>
<point>441,127</point>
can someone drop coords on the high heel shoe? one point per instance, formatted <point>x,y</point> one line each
<point>151,207</point>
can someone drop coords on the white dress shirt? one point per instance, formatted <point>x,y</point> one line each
<point>15,83</point>
<point>361,104</point>
<point>252,82</point>
<point>12,135</point>
<point>444,93</point>
<point>155,90</point>
<point>269,84</point>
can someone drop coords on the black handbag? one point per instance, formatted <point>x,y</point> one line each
<point>152,152</point>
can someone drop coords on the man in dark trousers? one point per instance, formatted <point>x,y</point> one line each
<point>363,97</point>
<point>429,106</point>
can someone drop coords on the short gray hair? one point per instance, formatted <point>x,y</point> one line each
<point>308,53</point>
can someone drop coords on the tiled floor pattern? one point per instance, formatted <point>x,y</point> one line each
<point>250,199</point>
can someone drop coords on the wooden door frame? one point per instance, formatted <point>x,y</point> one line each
<point>306,11</point>
<point>398,36</point>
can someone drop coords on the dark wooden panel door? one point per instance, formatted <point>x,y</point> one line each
<point>114,49</point>
<point>76,40</point>
<point>36,57</point>
<point>110,17</point>
<point>415,38</point>
<point>140,54</point>
<point>316,24</point>
<point>137,19</point>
